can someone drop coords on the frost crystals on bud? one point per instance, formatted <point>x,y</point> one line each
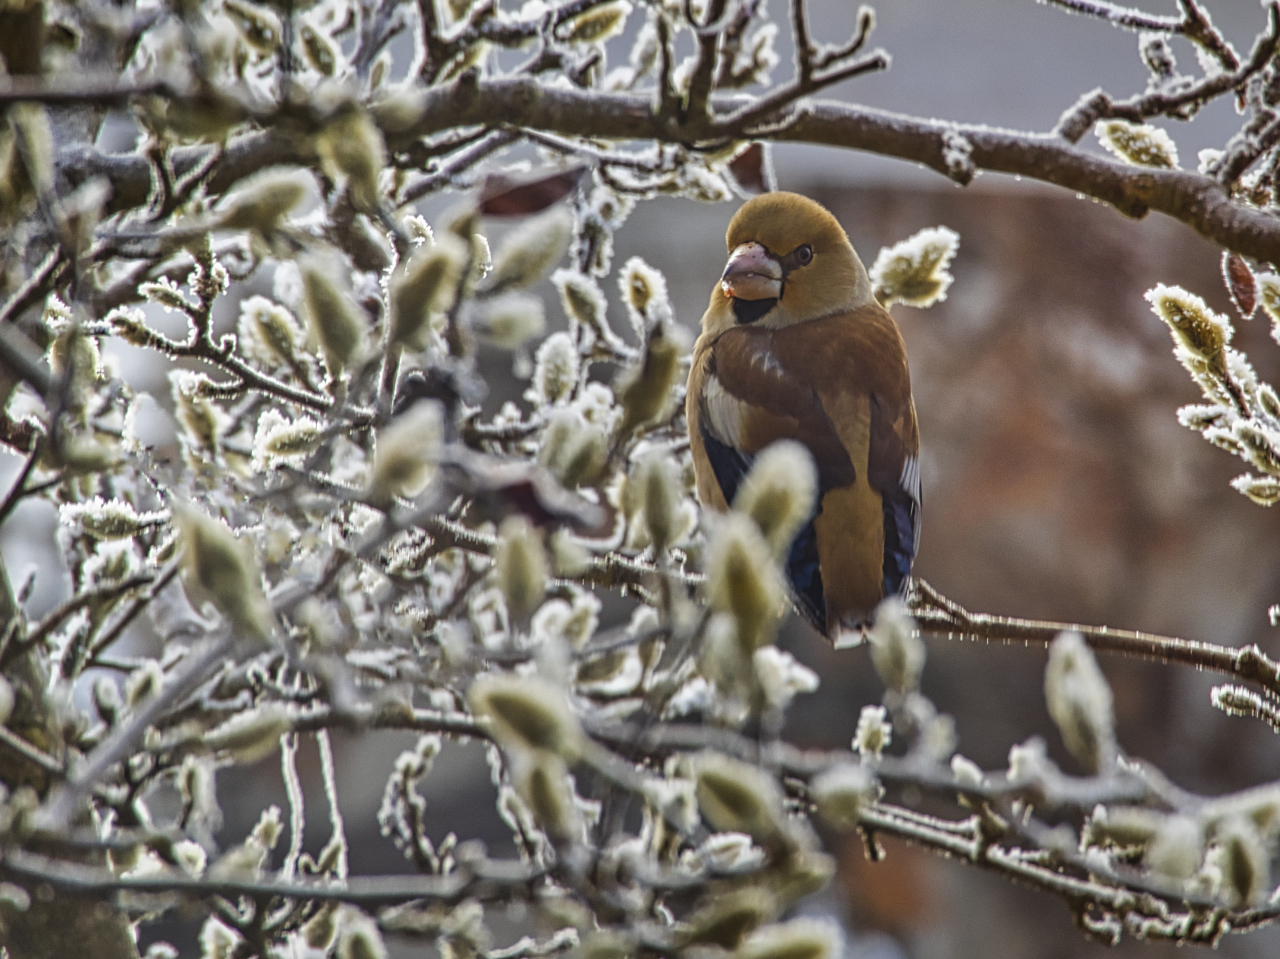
<point>737,797</point>
<point>897,651</point>
<point>1241,855</point>
<point>644,290</point>
<point>221,569</point>
<point>251,736</point>
<point>1193,325</point>
<point>914,271</point>
<point>521,566</point>
<point>109,519</point>
<point>1079,701</point>
<point>406,452</point>
<point>780,677</point>
<point>526,713</point>
<point>779,493</point>
<point>359,936</point>
<point>873,734</point>
<point>742,581</point>
<point>555,370</point>
<point>574,450</point>
<point>1138,143</point>
<point>511,321</point>
<point>842,792</point>
<point>598,24</point>
<point>542,780</point>
<point>425,285</point>
<point>528,252</point>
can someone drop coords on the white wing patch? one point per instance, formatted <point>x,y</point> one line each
<point>722,413</point>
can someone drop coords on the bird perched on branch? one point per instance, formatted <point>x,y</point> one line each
<point>795,346</point>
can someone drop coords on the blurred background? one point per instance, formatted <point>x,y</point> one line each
<point>1057,482</point>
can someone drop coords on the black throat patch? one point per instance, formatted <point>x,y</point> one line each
<point>748,311</point>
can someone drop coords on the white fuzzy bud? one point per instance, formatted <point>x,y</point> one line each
<point>426,284</point>
<point>555,370</point>
<point>109,519</point>
<point>644,290</point>
<point>263,200</point>
<point>802,938</point>
<point>742,580</point>
<point>406,453</point>
<point>218,567</point>
<point>842,792</point>
<point>511,320</point>
<point>359,936</point>
<point>897,651</point>
<point>1177,848</point>
<point>1193,325</point>
<point>350,147</point>
<point>251,736</point>
<point>873,734</point>
<point>737,797</point>
<point>1139,144</point>
<point>779,493</point>
<point>520,563</point>
<point>656,477</point>
<point>915,271</point>
<point>337,324</point>
<point>530,251</point>
<point>1080,701</point>
<point>597,24</point>
<point>280,441</point>
<point>780,677</point>
<point>526,713</point>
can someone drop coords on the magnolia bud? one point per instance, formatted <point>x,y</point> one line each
<point>1080,702</point>
<point>426,284</point>
<point>1138,143</point>
<point>521,566</point>
<point>742,581</point>
<point>873,734</point>
<point>336,322</point>
<point>897,652</point>
<point>351,146</point>
<point>407,449</point>
<point>512,320</point>
<point>555,370</point>
<point>780,677</point>
<point>109,519</point>
<point>645,390</point>
<point>251,736</point>
<point>528,253</point>
<point>221,569</point>
<point>914,271</point>
<point>597,24</point>
<point>359,937</point>
<point>802,938</point>
<point>526,713</point>
<point>728,917</point>
<point>644,290</point>
<point>1241,855</point>
<point>779,493</point>
<point>542,780</point>
<point>842,792</point>
<point>8,699</point>
<point>657,478</point>
<point>738,797</point>
<point>263,200</point>
<point>1193,325</point>
<point>1177,849</point>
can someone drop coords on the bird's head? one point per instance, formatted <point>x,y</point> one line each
<point>789,261</point>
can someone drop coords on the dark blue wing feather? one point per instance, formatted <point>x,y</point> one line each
<point>901,503</point>
<point>730,465</point>
<point>805,577</point>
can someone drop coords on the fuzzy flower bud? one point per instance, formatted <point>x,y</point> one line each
<point>742,581</point>
<point>263,200</point>
<point>842,792</point>
<point>644,290</point>
<point>528,252</point>
<point>407,449</point>
<point>219,568</point>
<point>726,919</point>
<point>656,476</point>
<point>1177,849</point>
<point>520,563</point>
<point>597,24</point>
<point>1080,702</point>
<point>1192,324</point>
<point>109,519</point>
<point>897,652</point>
<point>359,937</point>
<point>574,450</point>
<point>802,938</point>
<point>1241,856</point>
<point>780,677</point>
<point>512,320</point>
<point>555,370</point>
<point>251,736</point>
<point>280,441</point>
<point>337,324</point>
<point>526,713</point>
<point>350,147</point>
<point>779,493</point>
<point>426,284</point>
<point>738,797</point>
<point>645,389</point>
<point>1138,143</point>
<point>542,780</point>
<point>914,271</point>
<point>873,734</point>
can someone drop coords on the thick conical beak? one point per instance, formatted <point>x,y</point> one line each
<point>752,274</point>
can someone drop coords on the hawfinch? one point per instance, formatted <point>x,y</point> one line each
<point>795,346</point>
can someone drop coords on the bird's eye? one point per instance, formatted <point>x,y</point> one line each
<point>804,254</point>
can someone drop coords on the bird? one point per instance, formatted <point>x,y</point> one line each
<point>794,345</point>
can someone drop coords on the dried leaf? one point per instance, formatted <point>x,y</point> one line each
<point>505,196</point>
<point>1240,283</point>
